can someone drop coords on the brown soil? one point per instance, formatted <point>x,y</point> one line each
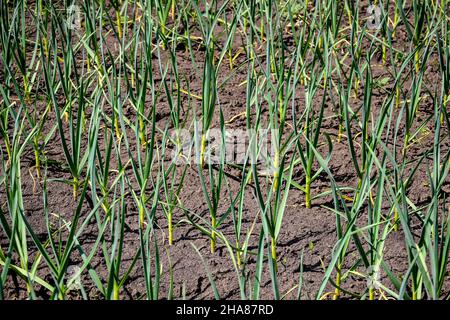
<point>307,232</point>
